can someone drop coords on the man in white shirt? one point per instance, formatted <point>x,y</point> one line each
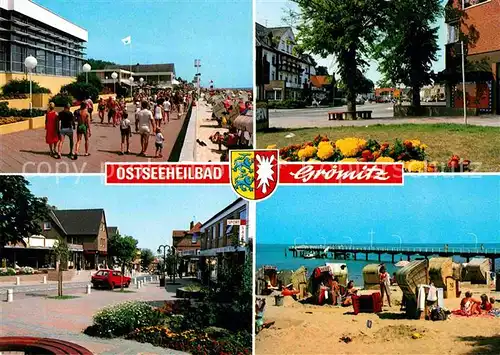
<point>146,124</point>
<point>166,109</point>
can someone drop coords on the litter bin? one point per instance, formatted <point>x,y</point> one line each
<point>162,281</point>
<point>278,300</point>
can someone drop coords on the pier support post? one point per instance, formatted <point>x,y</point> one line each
<point>467,258</point>
<point>355,256</point>
<point>393,258</point>
<point>366,256</point>
<point>409,259</point>
<point>379,257</point>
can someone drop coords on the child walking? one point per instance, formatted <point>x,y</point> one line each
<point>159,143</point>
<point>126,132</point>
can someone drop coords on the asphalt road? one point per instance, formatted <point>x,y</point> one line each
<point>382,113</point>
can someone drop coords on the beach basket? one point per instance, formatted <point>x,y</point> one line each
<point>477,271</point>
<point>340,271</point>
<point>457,271</point>
<point>497,288</point>
<point>299,281</point>
<point>439,270</point>
<point>284,278</point>
<point>410,276</point>
<point>371,276</point>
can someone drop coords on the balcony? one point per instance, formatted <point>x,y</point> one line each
<point>472,3</point>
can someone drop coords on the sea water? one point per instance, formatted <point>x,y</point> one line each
<point>274,254</point>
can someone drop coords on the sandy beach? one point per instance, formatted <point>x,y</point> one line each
<point>309,329</point>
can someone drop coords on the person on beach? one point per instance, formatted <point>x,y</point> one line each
<point>66,127</point>
<point>470,306</point>
<point>101,108</point>
<point>486,305</point>
<point>111,111</point>
<point>159,143</point>
<point>385,283</point>
<point>52,130</point>
<point>350,291</point>
<point>166,110</point>
<point>126,133</point>
<point>82,128</point>
<point>146,126</point>
<point>158,112</point>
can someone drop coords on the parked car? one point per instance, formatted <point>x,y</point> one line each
<point>360,101</point>
<point>110,279</point>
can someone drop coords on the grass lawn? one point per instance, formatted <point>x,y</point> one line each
<point>63,297</point>
<point>480,145</point>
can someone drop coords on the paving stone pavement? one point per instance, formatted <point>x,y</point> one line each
<point>27,152</point>
<point>66,319</point>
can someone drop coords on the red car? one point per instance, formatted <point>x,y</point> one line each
<point>110,279</point>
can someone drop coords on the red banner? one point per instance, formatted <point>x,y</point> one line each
<point>289,173</point>
<point>167,173</point>
<point>341,173</point>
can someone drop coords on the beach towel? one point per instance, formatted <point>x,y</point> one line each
<point>461,313</point>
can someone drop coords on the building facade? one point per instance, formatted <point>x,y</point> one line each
<point>281,72</point>
<point>222,243</point>
<point>482,83</point>
<point>27,28</point>
<point>187,245</point>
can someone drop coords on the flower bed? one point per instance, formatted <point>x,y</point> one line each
<point>25,270</point>
<point>412,153</point>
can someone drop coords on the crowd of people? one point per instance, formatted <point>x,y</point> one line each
<point>151,112</point>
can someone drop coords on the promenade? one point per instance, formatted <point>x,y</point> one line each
<point>36,315</point>
<point>27,152</point>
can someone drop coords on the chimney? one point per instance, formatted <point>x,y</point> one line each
<point>191,225</point>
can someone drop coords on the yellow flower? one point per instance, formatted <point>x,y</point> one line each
<point>415,166</point>
<point>350,147</point>
<point>424,146</point>
<point>349,160</point>
<point>272,146</point>
<point>385,160</point>
<point>325,150</point>
<point>306,153</point>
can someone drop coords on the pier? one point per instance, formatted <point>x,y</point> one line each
<point>343,252</point>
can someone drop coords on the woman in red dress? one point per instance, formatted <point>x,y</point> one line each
<point>52,130</point>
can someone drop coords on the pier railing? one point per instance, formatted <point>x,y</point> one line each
<point>398,250</point>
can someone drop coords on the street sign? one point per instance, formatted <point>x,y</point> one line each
<point>233,222</point>
<point>243,233</point>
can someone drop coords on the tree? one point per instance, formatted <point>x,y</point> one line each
<point>81,91</point>
<point>93,80</point>
<point>61,252</point>
<point>98,64</point>
<point>344,29</point>
<point>363,84</point>
<point>321,70</point>
<point>123,249</point>
<point>409,45</point>
<point>20,211</point>
<point>147,257</point>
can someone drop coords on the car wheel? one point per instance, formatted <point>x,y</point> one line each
<point>127,284</point>
<point>112,286</point>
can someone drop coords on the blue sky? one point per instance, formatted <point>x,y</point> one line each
<point>424,210</point>
<point>148,213</point>
<point>219,32</point>
<point>272,11</point>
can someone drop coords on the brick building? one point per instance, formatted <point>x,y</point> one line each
<point>482,85</point>
<point>187,245</point>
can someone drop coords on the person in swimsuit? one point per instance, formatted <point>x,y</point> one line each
<point>385,283</point>
<point>82,128</point>
<point>126,133</point>
<point>111,111</point>
<point>52,130</point>
<point>66,126</point>
<point>101,108</point>
<point>158,112</point>
<point>146,126</point>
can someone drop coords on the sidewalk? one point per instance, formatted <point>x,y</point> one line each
<point>27,152</point>
<point>205,127</point>
<point>66,319</point>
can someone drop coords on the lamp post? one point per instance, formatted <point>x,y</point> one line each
<point>114,76</point>
<point>131,80</point>
<point>141,81</point>
<point>30,64</point>
<point>475,236</point>
<point>346,237</point>
<point>400,239</point>
<point>86,69</point>
<point>173,250</point>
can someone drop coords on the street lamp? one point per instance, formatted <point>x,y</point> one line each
<point>131,80</point>
<point>400,239</point>
<point>475,236</point>
<point>114,76</point>
<point>349,239</point>
<point>295,241</point>
<point>86,69</point>
<point>30,63</point>
<point>164,247</point>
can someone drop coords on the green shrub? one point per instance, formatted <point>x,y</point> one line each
<point>7,272</point>
<point>94,80</point>
<point>14,87</point>
<point>62,99</point>
<point>5,111</point>
<point>286,104</point>
<point>121,319</point>
<point>81,91</point>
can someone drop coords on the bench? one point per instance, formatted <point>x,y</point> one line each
<point>342,115</point>
<point>41,345</point>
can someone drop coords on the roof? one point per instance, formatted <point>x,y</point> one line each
<point>195,229</point>
<point>320,80</point>
<point>178,234</point>
<point>79,222</point>
<point>146,68</point>
<point>112,231</point>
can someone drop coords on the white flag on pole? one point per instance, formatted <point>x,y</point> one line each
<point>127,40</point>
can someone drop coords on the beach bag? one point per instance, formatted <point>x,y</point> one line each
<point>438,314</point>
